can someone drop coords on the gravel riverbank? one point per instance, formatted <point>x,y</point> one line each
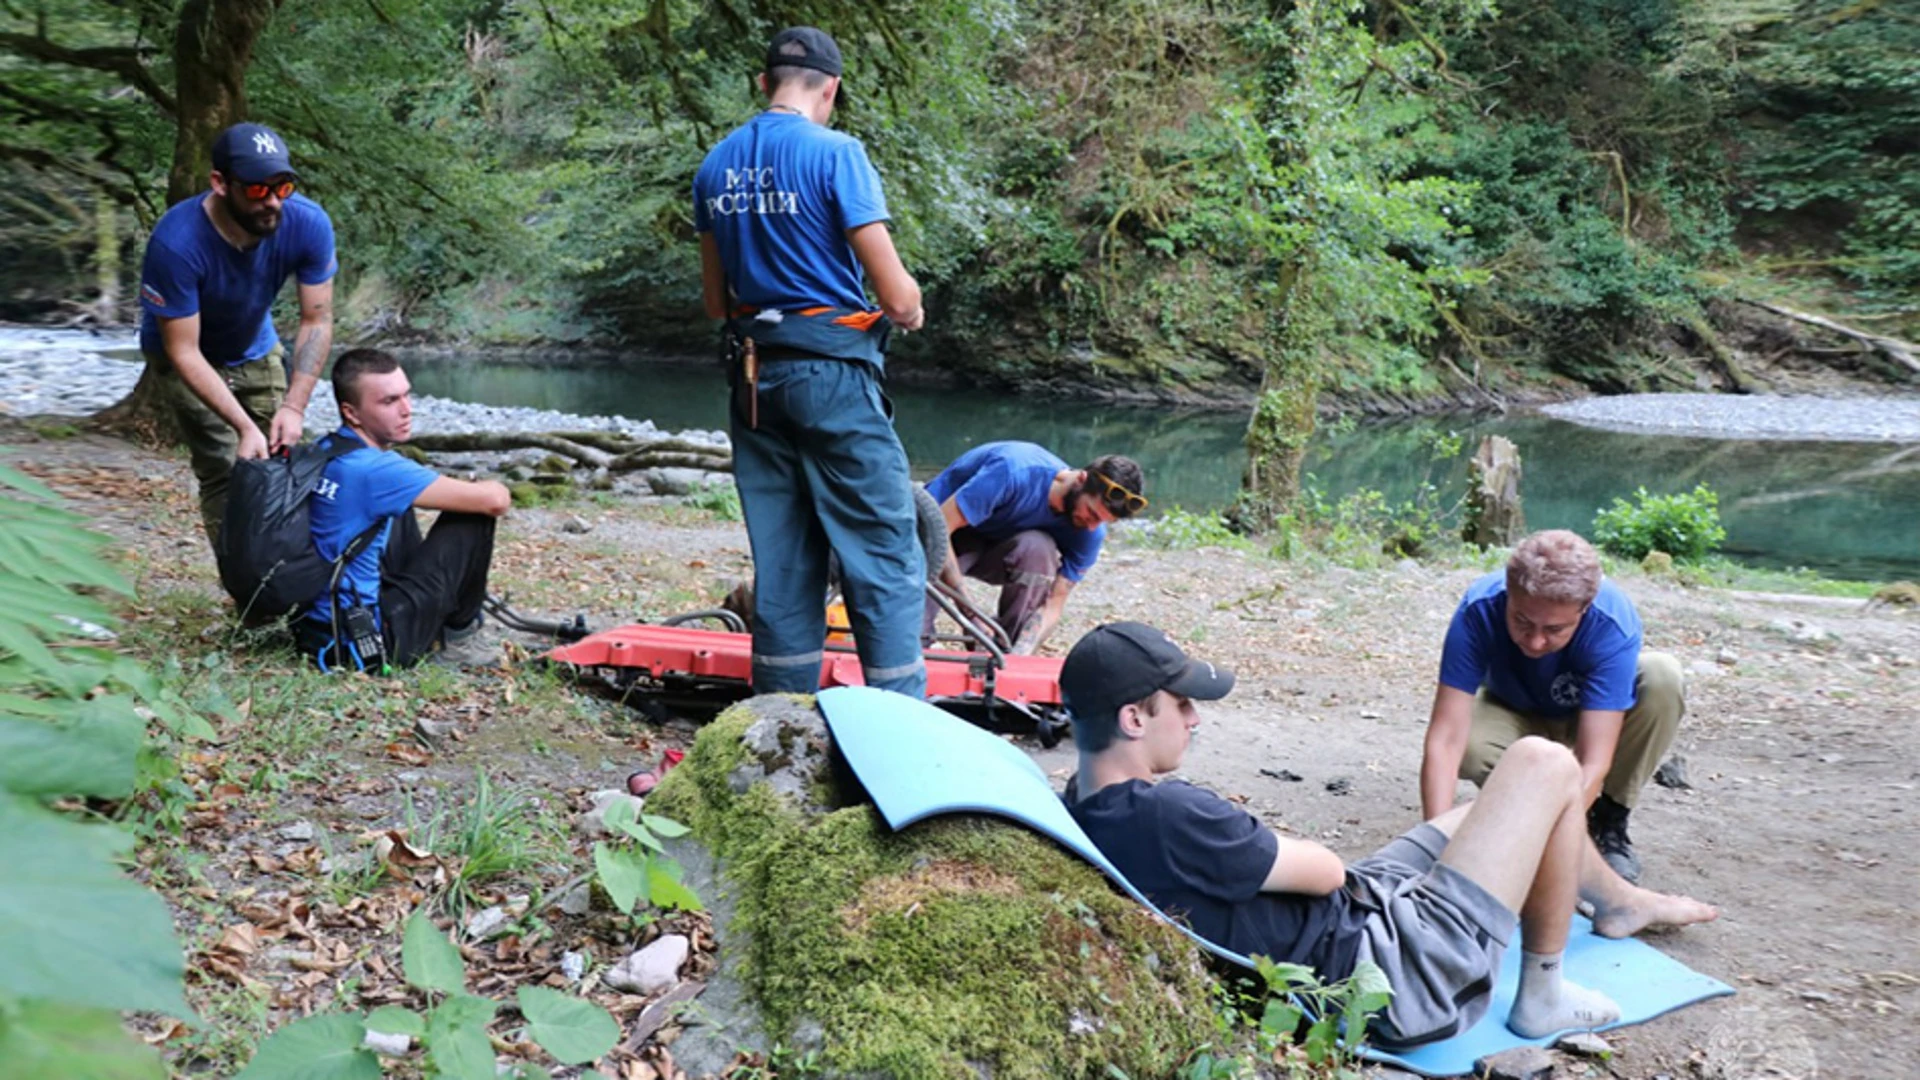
<point>1759,416</point>
<point>47,372</point>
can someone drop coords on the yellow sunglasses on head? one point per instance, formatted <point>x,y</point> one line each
<point>1119,499</point>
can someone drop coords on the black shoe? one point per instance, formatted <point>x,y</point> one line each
<point>1607,824</point>
<point>455,635</point>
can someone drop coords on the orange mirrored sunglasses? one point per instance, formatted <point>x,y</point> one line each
<point>257,192</point>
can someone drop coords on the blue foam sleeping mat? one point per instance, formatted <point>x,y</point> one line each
<point>918,762</point>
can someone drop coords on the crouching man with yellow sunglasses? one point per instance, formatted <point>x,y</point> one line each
<point>1019,517</point>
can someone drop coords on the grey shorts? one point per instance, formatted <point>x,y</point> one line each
<point>1437,934</point>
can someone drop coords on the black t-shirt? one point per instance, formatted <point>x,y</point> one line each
<point>1202,859</point>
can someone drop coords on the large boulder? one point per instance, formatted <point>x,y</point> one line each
<point>963,947</point>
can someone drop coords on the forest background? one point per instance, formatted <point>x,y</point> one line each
<point>1387,200</point>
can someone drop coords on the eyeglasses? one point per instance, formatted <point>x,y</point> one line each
<point>1118,499</point>
<point>258,192</point>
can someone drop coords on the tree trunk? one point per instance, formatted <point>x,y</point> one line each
<point>106,259</point>
<point>212,47</point>
<point>1494,517</point>
<point>1285,412</point>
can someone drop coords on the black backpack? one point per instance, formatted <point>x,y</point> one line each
<point>267,560</point>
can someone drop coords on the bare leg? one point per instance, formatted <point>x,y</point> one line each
<point>1524,840</point>
<point>1521,839</point>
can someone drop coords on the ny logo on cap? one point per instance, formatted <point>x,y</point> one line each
<point>263,143</point>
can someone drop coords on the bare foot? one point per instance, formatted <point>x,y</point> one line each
<point>1644,908</point>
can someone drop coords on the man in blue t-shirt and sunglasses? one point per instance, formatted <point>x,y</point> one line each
<point>1018,517</point>
<point>213,267</point>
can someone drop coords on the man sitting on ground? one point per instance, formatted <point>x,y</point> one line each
<point>419,592</point>
<point>1547,648</point>
<point>1434,909</point>
<point>1019,518</point>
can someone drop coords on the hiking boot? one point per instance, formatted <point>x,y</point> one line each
<point>1607,824</point>
<point>454,635</point>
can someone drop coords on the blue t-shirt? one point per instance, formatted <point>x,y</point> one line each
<point>779,195</point>
<point>356,490</point>
<point>1595,671</point>
<point>1001,487</point>
<point>191,269</point>
<point>1201,859</point>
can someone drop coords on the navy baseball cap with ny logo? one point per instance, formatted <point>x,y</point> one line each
<point>251,154</point>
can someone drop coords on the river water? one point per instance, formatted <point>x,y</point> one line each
<point>1846,509</point>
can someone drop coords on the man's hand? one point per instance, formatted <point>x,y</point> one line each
<point>914,322</point>
<point>285,431</point>
<point>252,443</point>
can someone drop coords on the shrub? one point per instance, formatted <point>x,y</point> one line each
<point>1183,530</point>
<point>79,940</point>
<point>1685,525</point>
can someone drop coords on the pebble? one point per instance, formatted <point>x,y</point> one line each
<point>1519,1063</point>
<point>391,1045</point>
<point>1751,416</point>
<point>652,969</point>
<point>573,965</point>
<point>1672,773</point>
<point>1584,1043</point>
<point>57,372</point>
<point>485,924</point>
<point>298,831</point>
<point>576,525</point>
<point>578,901</point>
<point>1799,631</point>
<point>1726,656</point>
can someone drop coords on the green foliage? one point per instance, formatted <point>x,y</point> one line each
<point>1685,525</point>
<point>1177,529</point>
<point>720,500</point>
<point>453,1030</point>
<point>1139,192</point>
<point>1365,525</point>
<point>572,1030</point>
<point>1254,1034</point>
<point>639,872</point>
<point>482,834</point>
<point>1830,109</point>
<point>325,1047</point>
<point>71,723</point>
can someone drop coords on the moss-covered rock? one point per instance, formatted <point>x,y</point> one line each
<point>964,946</point>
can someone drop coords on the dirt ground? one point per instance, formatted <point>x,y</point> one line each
<point>1803,754</point>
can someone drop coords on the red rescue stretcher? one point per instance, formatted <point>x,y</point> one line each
<point>686,669</point>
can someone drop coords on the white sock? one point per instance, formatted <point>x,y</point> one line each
<point>1546,1002</point>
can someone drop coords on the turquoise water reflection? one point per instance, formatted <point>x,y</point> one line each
<point>1846,509</point>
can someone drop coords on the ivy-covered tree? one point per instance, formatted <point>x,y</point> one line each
<point>1358,243</point>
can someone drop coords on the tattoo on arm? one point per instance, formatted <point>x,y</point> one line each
<point>310,351</point>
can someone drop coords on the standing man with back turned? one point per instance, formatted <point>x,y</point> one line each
<point>789,214</point>
<point>213,267</point>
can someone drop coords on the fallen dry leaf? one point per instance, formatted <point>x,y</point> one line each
<point>408,754</point>
<point>242,938</point>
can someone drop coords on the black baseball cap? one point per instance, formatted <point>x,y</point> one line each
<point>1121,663</point>
<point>805,47</point>
<point>251,154</point>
